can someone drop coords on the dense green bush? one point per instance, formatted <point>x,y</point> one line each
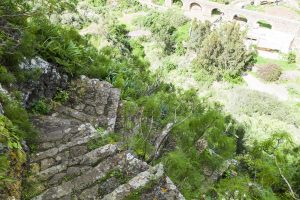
<point>269,72</point>
<point>223,52</point>
<point>291,57</point>
<point>19,117</point>
<point>41,107</point>
<point>199,31</point>
<point>6,77</point>
<point>164,27</point>
<point>61,96</point>
<point>264,24</point>
<point>12,156</point>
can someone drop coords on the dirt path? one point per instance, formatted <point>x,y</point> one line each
<point>278,91</point>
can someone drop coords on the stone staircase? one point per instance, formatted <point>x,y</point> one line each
<point>68,169</point>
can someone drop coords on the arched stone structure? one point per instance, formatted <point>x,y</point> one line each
<point>240,18</point>
<point>278,23</point>
<point>195,7</point>
<point>216,11</point>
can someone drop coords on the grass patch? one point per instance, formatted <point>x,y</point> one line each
<point>110,138</point>
<point>264,24</point>
<point>282,63</point>
<point>260,8</point>
<point>136,195</point>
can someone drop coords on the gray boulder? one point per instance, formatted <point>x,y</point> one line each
<point>47,80</point>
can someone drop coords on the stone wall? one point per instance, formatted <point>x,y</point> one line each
<point>229,13</point>
<point>278,23</point>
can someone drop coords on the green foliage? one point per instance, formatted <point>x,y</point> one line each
<point>61,96</point>
<point>11,149</point>
<point>6,77</point>
<point>291,57</point>
<point>41,107</point>
<point>269,161</point>
<point>270,72</point>
<point>8,136</point>
<point>181,37</point>
<point>164,27</point>
<point>223,52</point>
<point>118,34</point>
<point>13,18</point>
<point>255,104</point>
<point>141,146</point>
<point>199,31</point>
<point>150,104</point>
<point>68,49</point>
<point>282,63</point>
<point>19,117</point>
<point>110,138</point>
<point>264,24</point>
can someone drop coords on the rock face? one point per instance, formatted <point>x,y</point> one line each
<point>1,110</point>
<point>66,166</point>
<point>45,81</point>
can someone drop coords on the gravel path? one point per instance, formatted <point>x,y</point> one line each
<point>278,91</point>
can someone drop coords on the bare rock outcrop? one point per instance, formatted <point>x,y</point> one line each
<point>45,81</point>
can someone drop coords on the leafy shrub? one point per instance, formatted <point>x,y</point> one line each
<point>41,107</point>
<point>269,72</point>
<point>12,157</point>
<point>291,57</point>
<point>264,24</point>
<point>164,27</point>
<point>61,96</point>
<point>19,117</point>
<point>5,77</point>
<point>170,66</point>
<point>199,31</point>
<point>223,52</point>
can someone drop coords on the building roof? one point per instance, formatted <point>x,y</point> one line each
<point>270,39</point>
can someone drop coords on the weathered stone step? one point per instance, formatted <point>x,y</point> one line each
<point>116,177</point>
<point>83,181</point>
<point>163,190</point>
<point>136,183</point>
<point>86,132</point>
<point>87,160</point>
<point>79,185</point>
<point>54,130</point>
<point>93,101</point>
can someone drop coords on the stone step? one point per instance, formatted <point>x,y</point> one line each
<point>81,185</point>
<point>93,101</point>
<point>86,132</point>
<point>163,190</point>
<point>84,181</point>
<point>53,130</point>
<point>75,163</point>
<point>127,170</point>
<point>136,183</point>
